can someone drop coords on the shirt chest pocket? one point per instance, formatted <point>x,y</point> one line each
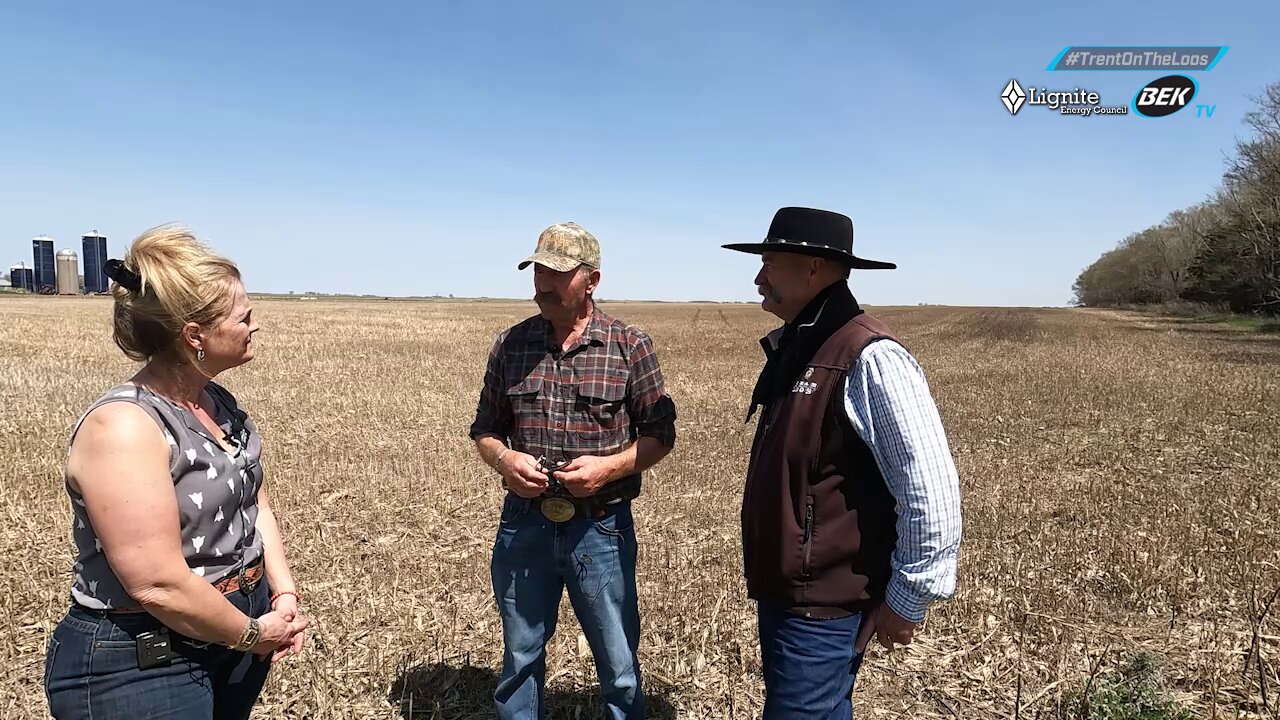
<point>602,399</point>
<point>525,396</point>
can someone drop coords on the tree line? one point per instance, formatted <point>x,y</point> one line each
<point>1223,251</point>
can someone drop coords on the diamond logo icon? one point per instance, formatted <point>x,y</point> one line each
<point>1013,97</point>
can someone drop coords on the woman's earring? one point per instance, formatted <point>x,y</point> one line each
<point>200,355</point>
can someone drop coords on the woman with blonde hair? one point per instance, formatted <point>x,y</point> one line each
<point>182,597</point>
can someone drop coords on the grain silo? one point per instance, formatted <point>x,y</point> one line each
<point>95,254</point>
<point>22,277</point>
<point>42,257</point>
<point>68,273</point>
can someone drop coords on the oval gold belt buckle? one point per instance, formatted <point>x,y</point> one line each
<point>557,509</point>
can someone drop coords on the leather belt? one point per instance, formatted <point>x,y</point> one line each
<point>252,576</point>
<point>556,507</point>
<point>229,584</point>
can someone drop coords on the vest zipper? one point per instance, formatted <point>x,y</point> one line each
<point>808,536</point>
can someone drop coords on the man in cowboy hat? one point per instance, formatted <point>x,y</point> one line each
<point>851,511</point>
<point>572,411</point>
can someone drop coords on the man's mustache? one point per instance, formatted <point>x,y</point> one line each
<point>767,291</point>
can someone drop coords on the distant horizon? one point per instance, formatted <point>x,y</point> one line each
<point>455,296</point>
<point>516,300</point>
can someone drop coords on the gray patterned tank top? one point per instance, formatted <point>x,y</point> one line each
<point>216,493</point>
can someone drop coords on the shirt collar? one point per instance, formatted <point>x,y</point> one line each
<point>593,334</point>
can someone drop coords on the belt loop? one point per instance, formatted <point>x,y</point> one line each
<point>103,628</point>
<point>97,622</point>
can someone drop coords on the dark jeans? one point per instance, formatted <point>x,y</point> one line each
<point>534,561</point>
<point>809,665</point>
<point>91,670</point>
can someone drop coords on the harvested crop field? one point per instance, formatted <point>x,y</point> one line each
<point>1120,478</point>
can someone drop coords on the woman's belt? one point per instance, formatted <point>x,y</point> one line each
<point>231,583</point>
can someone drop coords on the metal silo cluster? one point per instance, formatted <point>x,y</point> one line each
<point>59,273</point>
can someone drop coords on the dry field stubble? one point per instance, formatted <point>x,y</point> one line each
<point>1120,488</point>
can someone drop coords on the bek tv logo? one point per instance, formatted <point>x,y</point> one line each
<point>1164,96</point>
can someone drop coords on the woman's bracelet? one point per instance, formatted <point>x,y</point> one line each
<point>504,452</point>
<point>279,595</point>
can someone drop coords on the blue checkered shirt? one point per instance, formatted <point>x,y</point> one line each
<point>888,402</point>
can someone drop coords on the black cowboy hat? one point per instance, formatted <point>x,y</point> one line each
<point>808,231</point>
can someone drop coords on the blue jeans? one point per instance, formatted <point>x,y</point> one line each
<point>91,669</point>
<point>809,665</point>
<point>534,560</point>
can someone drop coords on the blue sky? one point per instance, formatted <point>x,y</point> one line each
<point>413,148</point>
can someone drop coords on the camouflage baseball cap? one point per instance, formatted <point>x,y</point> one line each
<point>563,247</point>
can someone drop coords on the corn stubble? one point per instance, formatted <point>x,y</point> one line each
<point>1120,480</point>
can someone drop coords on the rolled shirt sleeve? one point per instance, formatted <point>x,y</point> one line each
<point>493,410</point>
<point>890,407</point>
<point>652,411</point>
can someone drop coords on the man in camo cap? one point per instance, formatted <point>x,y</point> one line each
<point>564,247</point>
<point>573,409</point>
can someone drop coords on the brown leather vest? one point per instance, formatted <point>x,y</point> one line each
<point>818,523</point>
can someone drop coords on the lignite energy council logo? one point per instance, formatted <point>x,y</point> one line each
<point>1085,103</point>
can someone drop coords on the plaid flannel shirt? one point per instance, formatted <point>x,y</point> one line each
<point>594,399</point>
